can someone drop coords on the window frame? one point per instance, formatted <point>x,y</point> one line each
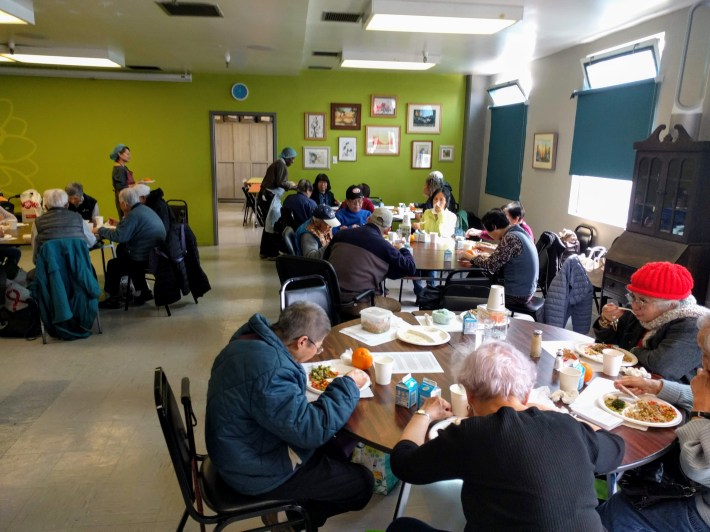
<point>652,44</point>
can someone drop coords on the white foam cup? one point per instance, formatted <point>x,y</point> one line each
<point>459,401</point>
<point>99,221</point>
<point>612,361</point>
<point>569,379</point>
<point>392,236</point>
<point>496,298</point>
<point>433,236</point>
<point>383,369</point>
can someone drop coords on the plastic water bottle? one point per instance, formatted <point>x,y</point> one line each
<point>405,228</point>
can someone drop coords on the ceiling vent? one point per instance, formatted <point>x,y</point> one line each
<point>333,16</point>
<point>326,54</point>
<point>191,9</point>
<point>316,67</point>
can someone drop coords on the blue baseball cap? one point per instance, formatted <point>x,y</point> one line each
<point>325,213</point>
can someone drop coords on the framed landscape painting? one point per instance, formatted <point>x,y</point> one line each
<point>424,118</point>
<point>383,106</point>
<point>316,157</point>
<point>345,116</point>
<point>347,149</point>
<point>315,126</point>
<point>544,151</point>
<point>382,140</point>
<point>421,153</point>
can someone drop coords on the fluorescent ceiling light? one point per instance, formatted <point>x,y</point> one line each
<point>507,93</point>
<point>16,12</point>
<point>64,57</point>
<point>440,17</point>
<point>95,74</point>
<point>387,61</point>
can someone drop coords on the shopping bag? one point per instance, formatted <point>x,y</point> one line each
<point>379,463</point>
<point>31,202</point>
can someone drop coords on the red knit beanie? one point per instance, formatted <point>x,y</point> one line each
<point>662,280</point>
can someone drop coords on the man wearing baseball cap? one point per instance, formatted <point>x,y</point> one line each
<point>275,183</point>
<point>363,259</point>
<point>315,234</point>
<point>351,214</point>
<point>661,327</point>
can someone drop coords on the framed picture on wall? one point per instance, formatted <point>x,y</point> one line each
<point>421,153</point>
<point>446,154</point>
<point>347,149</point>
<point>544,151</point>
<point>383,106</point>
<point>315,126</point>
<point>345,116</point>
<point>424,118</point>
<point>316,157</point>
<point>382,140</point>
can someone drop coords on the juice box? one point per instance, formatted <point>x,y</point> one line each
<point>406,391</point>
<point>427,388</point>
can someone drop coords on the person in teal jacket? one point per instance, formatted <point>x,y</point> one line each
<point>263,435</point>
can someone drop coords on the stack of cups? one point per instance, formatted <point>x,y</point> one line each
<point>496,298</point>
<point>99,221</point>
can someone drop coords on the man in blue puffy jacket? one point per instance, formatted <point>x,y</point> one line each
<point>263,435</point>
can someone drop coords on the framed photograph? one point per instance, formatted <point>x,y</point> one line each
<point>544,151</point>
<point>316,157</point>
<point>345,116</point>
<point>347,149</point>
<point>315,126</point>
<point>382,140</point>
<point>446,154</point>
<point>424,118</point>
<point>383,106</point>
<point>421,153</point>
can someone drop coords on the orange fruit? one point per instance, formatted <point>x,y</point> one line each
<point>362,358</point>
<point>588,372</point>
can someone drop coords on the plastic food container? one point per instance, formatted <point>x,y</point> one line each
<point>375,320</point>
<point>442,316</point>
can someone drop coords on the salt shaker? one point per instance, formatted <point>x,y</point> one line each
<point>536,344</point>
<point>559,360</point>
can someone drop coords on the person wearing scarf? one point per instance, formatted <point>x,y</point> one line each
<point>660,328</point>
<point>314,235</point>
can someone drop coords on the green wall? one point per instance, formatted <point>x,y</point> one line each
<point>53,131</point>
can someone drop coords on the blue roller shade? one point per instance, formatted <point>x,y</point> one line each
<point>505,150</point>
<point>607,124</point>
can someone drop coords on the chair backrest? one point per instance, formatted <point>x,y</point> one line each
<point>464,292</point>
<point>288,266</point>
<point>179,208</point>
<point>175,435</point>
<point>549,252</point>
<point>311,288</point>
<point>289,237</point>
<point>586,236</point>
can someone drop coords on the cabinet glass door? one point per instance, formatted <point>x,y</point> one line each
<point>675,199</point>
<point>649,174</point>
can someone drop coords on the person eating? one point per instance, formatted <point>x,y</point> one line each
<point>659,328</point>
<point>322,193</point>
<point>82,203</point>
<point>435,181</point>
<point>515,213</point>
<point>315,234</point>
<point>352,214</point>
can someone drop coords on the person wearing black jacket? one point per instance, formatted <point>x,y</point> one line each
<point>434,182</point>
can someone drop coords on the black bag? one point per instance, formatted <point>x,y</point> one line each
<point>23,323</point>
<point>658,481</point>
<point>430,298</point>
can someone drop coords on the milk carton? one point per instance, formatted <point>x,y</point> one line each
<point>406,391</point>
<point>470,323</point>
<point>427,388</point>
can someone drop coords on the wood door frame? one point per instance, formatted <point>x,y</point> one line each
<point>213,149</point>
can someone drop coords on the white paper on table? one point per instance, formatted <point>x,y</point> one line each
<point>413,362</point>
<point>586,404</point>
<point>553,345</point>
<point>455,325</point>
<point>361,335</point>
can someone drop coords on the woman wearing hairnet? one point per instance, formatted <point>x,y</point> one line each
<point>121,176</point>
<point>273,187</point>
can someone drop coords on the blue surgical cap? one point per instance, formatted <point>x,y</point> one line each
<point>288,153</point>
<point>118,149</point>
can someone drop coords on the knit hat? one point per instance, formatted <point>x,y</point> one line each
<point>354,192</point>
<point>118,149</point>
<point>325,213</point>
<point>288,153</point>
<point>381,217</point>
<point>662,280</point>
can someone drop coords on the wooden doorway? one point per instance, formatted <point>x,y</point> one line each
<point>243,146</point>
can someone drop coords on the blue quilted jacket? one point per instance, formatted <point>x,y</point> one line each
<point>570,294</point>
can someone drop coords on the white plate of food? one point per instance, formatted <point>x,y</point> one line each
<point>423,335</point>
<point>320,375</point>
<point>441,425</point>
<point>593,352</point>
<point>649,410</point>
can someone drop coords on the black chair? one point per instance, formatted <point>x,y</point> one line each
<point>249,206</point>
<point>308,288</point>
<point>289,266</point>
<point>289,236</point>
<point>532,308</point>
<point>179,208</point>
<point>464,293</point>
<point>586,236</point>
<point>203,483</point>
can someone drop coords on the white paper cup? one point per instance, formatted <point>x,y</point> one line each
<point>496,298</point>
<point>10,224</point>
<point>392,235</point>
<point>433,237</point>
<point>99,221</point>
<point>88,224</point>
<point>383,369</point>
<point>459,401</point>
<point>612,361</point>
<point>468,245</point>
<point>569,379</point>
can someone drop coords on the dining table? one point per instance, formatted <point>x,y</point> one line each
<point>16,237</point>
<point>379,422</point>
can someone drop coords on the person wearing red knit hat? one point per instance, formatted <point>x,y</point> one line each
<point>660,329</point>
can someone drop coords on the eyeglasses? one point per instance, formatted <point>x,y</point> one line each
<point>632,298</point>
<point>319,350</point>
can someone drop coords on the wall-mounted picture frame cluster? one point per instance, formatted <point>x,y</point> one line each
<point>544,151</point>
<point>382,140</point>
<point>316,157</point>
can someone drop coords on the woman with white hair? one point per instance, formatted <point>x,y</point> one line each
<point>58,222</point>
<point>660,329</point>
<point>522,468</point>
<point>434,182</point>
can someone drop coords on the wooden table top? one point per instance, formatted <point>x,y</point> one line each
<point>430,257</point>
<point>17,234</point>
<point>379,422</point>
<point>254,188</point>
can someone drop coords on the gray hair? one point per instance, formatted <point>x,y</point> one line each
<point>142,189</point>
<point>129,196</point>
<point>497,369</point>
<point>304,186</point>
<point>303,319</point>
<point>704,323</point>
<point>74,189</point>
<point>434,180</point>
<point>54,197</point>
